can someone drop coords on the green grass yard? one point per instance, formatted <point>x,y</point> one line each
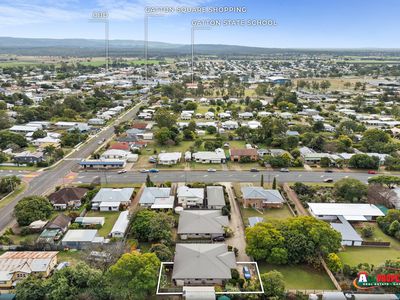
<point>372,255</point>
<point>109,220</point>
<point>300,276</point>
<point>71,256</point>
<point>267,214</point>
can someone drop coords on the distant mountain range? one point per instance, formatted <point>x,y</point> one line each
<point>95,47</point>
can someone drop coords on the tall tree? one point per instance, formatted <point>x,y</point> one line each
<point>134,276</point>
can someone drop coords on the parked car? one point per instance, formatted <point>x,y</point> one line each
<point>254,170</point>
<point>152,160</point>
<point>372,172</point>
<point>211,170</point>
<point>219,239</point>
<point>328,180</point>
<point>284,170</point>
<point>121,172</point>
<point>144,171</point>
<point>328,171</point>
<point>246,273</point>
<point>154,171</point>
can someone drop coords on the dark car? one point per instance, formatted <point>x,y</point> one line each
<point>372,172</point>
<point>219,239</point>
<point>328,171</point>
<point>254,170</point>
<point>154,171</point>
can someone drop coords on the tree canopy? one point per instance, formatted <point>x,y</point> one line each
<point>296,240</point>
<point>133,276</point>
<point>31,209</point>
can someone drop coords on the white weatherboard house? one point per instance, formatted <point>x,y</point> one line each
<point>202,264</point>
<point>190,197</point>
<point>341,214</point>
<point>171,158</point>
<point>210,157</point>
<point>108,199</point>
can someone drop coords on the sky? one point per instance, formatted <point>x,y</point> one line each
<point>299,23</point>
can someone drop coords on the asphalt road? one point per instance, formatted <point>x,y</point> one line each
<point>219,176</point>
<point>47,180</point>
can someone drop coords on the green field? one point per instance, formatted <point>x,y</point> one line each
<point>267,214</point>
<point>372,255</point>
<point>110,218</point>
<point>300,276</point>
<point>71,256</point>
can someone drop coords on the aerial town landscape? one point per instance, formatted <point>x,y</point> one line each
<point>146,169</point>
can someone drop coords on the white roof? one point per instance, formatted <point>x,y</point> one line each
<point>184,191</point>
<point>169,156</point>
<point>349,210</point>
<point>80,235</point>
<point>113,195</point>
<point>121,224</point>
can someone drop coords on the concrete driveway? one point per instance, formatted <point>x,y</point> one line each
<point>238,240</point>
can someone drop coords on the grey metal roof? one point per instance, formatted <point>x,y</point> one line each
<point>253,192</point>
<point>346,230</point>
<point>203,261</point>
<point>215,195</point>
<point>80,235</point>
<point>113,195</point>
<point>202,221</point>
<point>150,194</point>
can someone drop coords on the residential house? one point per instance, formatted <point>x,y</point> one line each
<point>230,125</point>
<point>210,157</point>
<point>28,157</point>
<point>243,154</point>
<point>61,222</point>
<point>69,197</point>
<point>171,158</point>
<point>156,198</point>
<point>109,199</point>
<point>202,264</point>
<point>204,224</point>
<point>18,265</point>
<point>123,146</point>
<point>190,197</point>
<point>215,197</point>
<point>260,198</point>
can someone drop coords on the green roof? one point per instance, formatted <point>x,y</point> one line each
<point>383,208</point>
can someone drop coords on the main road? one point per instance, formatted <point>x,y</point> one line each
<point>48,179</point>
<point>218,176</point>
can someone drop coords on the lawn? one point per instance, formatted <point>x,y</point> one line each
<point>267,214</point>
<point>71,256</point>
<point>19,239</point>
<point>200,166</point>
<point>300,276</point>
<point>355,255</point>
<point>110,218</point>
<point>19,168</point>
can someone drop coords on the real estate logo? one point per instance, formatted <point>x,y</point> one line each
<point>366,282</point>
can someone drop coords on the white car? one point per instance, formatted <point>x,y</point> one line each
<point>211,170</point>
<point>122,171</point>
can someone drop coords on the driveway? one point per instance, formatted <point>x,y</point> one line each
<point>238,240</point>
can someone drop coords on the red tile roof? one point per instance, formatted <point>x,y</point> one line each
<point>120,146</point>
